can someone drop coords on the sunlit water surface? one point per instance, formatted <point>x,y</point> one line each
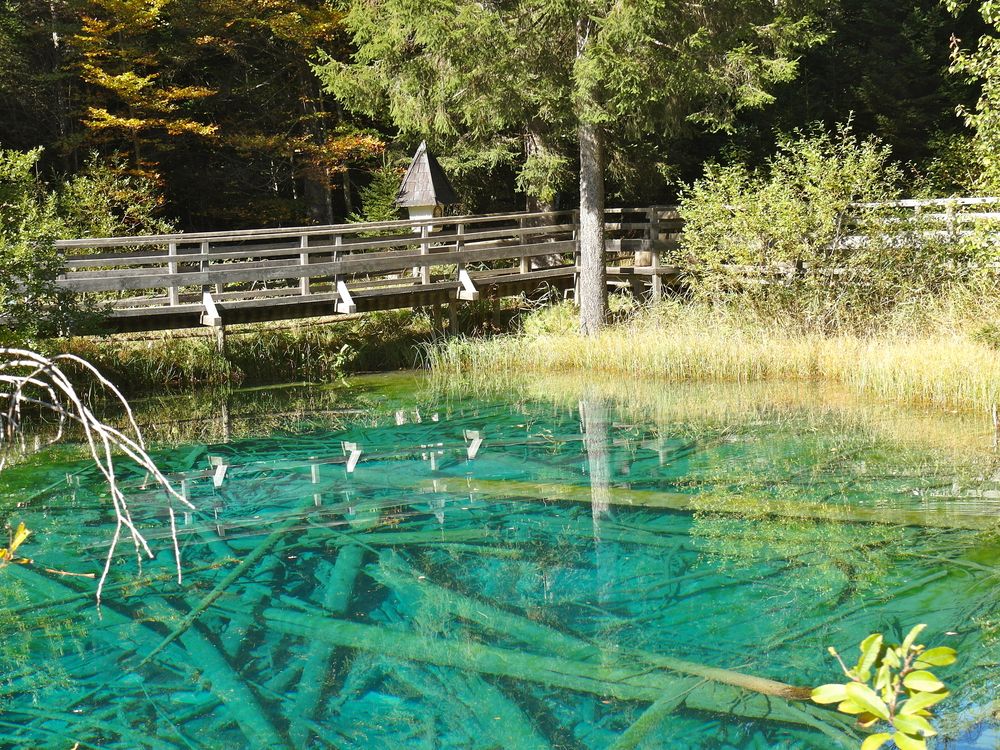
<point>437,569</point>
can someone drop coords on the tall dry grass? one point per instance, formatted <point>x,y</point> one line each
<point>941,352</point>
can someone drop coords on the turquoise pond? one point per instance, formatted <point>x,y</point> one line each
<point>388,563</point>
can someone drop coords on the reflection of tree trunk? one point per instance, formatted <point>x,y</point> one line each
<point>593,274</point>
<point>597,442</point>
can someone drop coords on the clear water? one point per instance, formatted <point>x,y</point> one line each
<point>448,570</point>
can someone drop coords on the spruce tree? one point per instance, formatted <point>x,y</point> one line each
<point>579,70</point>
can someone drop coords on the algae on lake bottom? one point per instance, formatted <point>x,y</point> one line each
<point>447,570</point>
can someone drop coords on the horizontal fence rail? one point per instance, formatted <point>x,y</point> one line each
<point>183,279</point>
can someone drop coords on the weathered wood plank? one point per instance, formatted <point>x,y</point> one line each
<point>295,232</point>
<point>393,263</point>
<point>197,255</point>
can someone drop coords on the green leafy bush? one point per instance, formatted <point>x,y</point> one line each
<point>803,233</point>
<point>106,200</point>
<point>30,304</point>
<point>103,200</point>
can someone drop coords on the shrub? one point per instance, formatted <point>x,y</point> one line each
<point>378,198</point>
<point>802,234</point>
<point>30,304</point>
<point>103,200</point>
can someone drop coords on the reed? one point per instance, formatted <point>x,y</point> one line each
<point>940,352</point>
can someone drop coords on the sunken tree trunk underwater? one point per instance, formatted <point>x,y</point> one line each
<point>593,289</point>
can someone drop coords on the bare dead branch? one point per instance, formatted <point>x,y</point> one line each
<point>29,379</point>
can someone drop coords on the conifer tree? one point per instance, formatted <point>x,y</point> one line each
<point>578,70</point>
<point>982,65</point>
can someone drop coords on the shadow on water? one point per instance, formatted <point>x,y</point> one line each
<point>395,562</point>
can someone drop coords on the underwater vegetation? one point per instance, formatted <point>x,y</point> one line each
<point>460,570</point>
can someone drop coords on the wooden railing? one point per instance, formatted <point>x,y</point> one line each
<point>288,272</point>
<point>182,279</point>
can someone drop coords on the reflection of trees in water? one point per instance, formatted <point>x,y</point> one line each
<point>804,407</point>
<point>733,529</point>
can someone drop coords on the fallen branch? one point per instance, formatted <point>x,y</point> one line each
<point>507,489</point>
<point>258,552</point>
<point>553,641</point>
<point>30,380</point>
<point>337,586</point>
<point>595,678</point>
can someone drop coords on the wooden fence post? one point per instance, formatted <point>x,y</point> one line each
<point>656,281</point>
<point>338,240</point>
<point>173,293</point>
<point>453,302</point>
<point>304,261</point>
<point>425,249</point>
<point>525,264</point>
<point>576,255</point>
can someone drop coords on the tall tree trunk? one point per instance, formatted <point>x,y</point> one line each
<point>59,88</point>
<point>593,273</point>
<point>348,200</point>
<point>316,177</point>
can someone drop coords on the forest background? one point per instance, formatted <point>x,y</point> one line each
<point>210,114</point>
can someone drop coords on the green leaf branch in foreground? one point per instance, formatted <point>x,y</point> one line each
<point>7,554</point>
<point>891,684</point>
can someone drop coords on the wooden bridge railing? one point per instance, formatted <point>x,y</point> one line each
<point>181,279</point>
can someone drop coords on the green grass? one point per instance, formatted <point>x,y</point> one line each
<point>315,351</point>
<point>940,352</point>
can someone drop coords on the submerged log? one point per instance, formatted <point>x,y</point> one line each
<point>595,678</point>
<point>248,562</point>
<point>651,718</point>
<point>550,640</point>
<point>503,722</point>
<point>512,490</point>
<point>232,691</point>
<point>197,656</point>
<point>337,587</point>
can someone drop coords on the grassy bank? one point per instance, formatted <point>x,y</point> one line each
<point>942,352</point>
<point>316,350</point>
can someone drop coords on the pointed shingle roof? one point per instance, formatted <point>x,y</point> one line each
<point>425,183</point>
